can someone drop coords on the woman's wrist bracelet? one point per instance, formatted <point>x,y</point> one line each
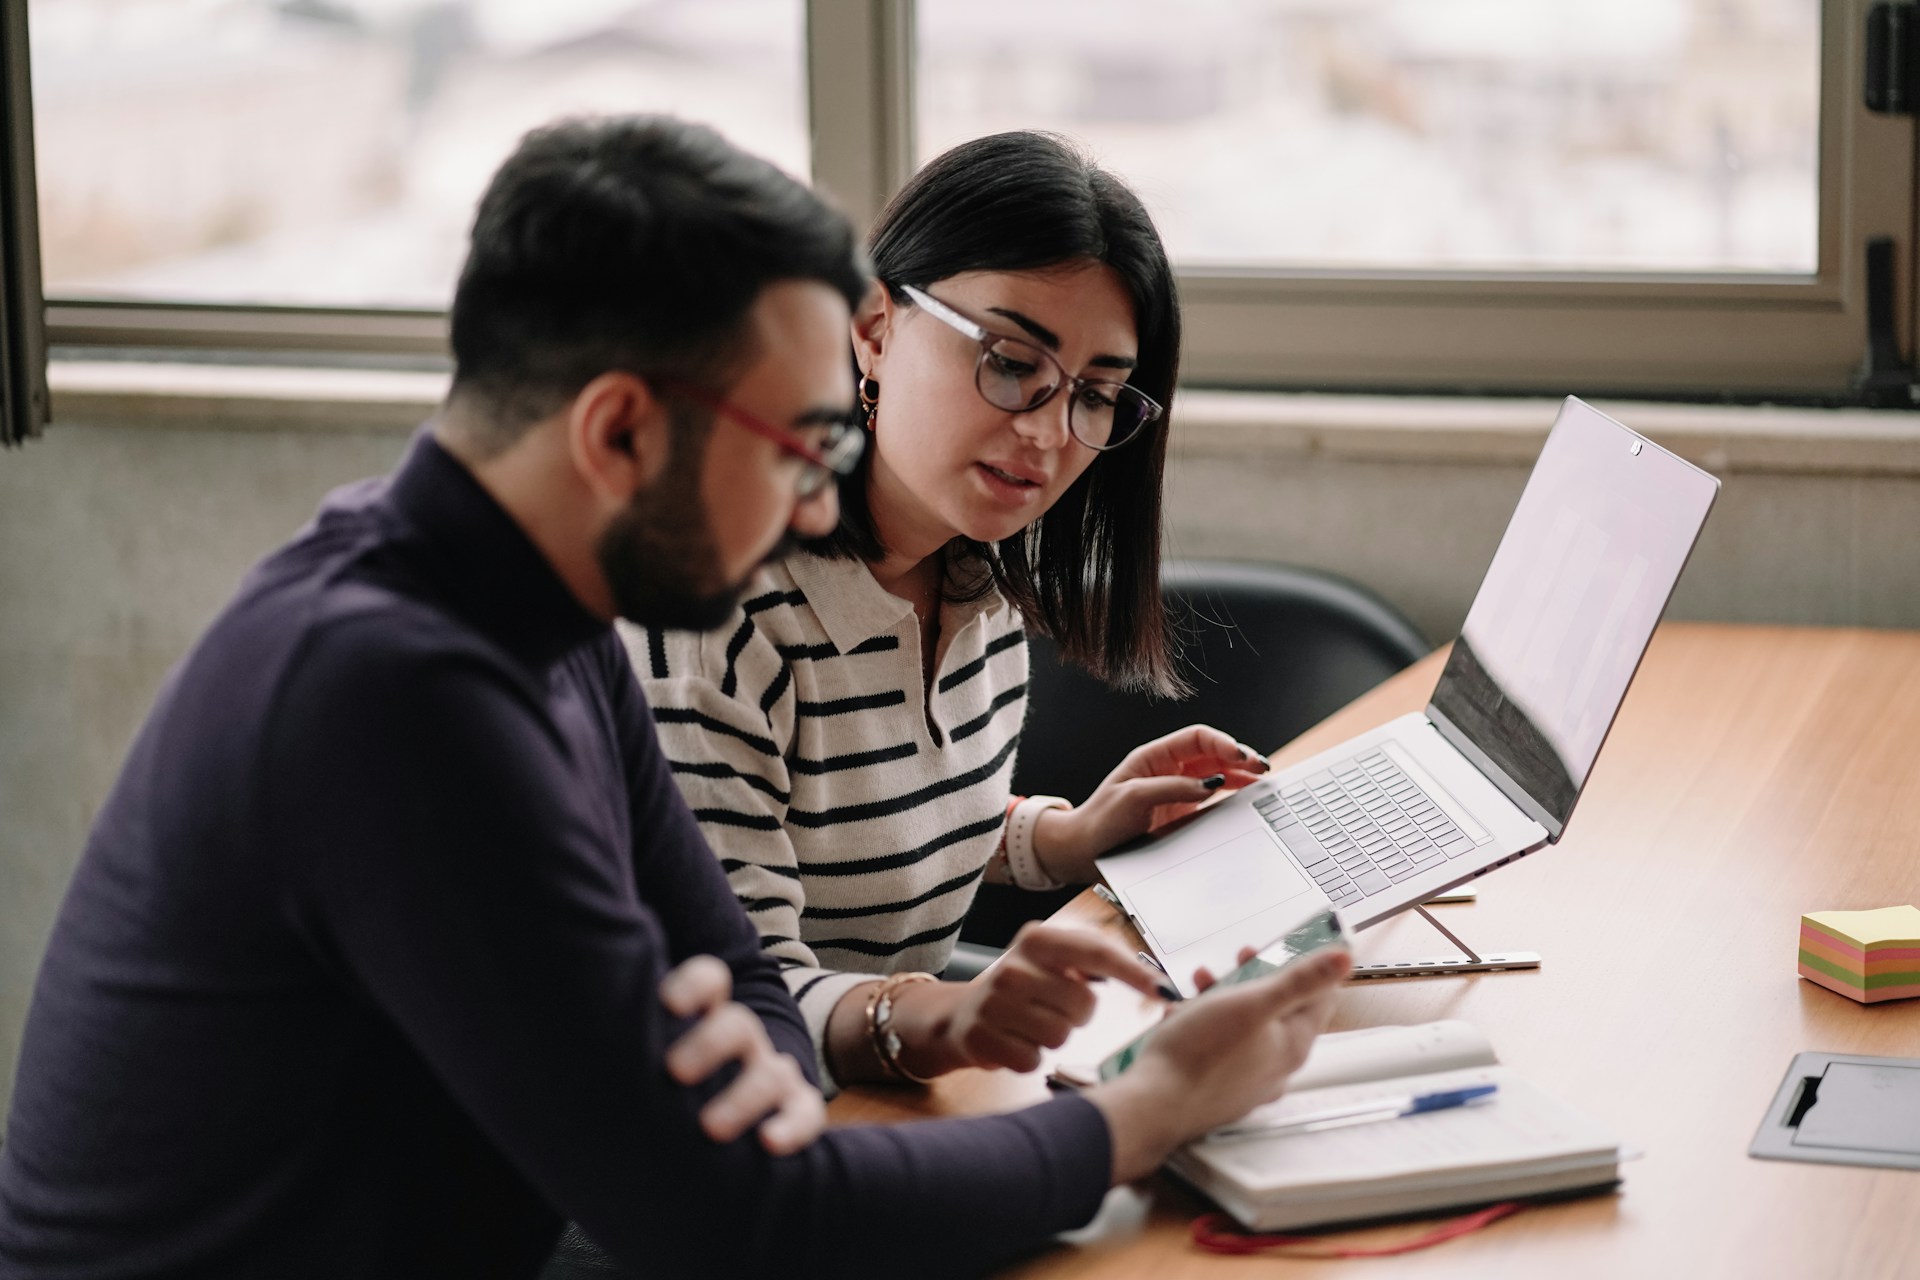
<point>1023,863</point>
<point>880,1033</point>
<point>997,871</point>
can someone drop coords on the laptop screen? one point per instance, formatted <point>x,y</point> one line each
<point>1569,603</point>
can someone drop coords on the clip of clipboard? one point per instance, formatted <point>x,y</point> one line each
<point>1844,1108</point>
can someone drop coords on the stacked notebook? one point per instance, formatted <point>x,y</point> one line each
<point>1520,1143</point>
<point>1867,955</point>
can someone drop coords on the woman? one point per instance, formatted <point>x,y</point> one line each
<point>846,741</point>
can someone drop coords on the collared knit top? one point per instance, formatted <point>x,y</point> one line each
<point>853,813</point>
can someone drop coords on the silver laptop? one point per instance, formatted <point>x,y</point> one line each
<point>1491,770</point>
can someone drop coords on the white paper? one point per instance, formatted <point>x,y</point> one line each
<point>1518,1127</point>
<point>1381,1053</point>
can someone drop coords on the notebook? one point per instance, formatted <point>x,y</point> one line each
<point>1522,1143</point>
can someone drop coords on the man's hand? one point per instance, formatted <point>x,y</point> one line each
<point>770,1090</point>
<point>1037,993</point>
<point>1215,1058</point>
<point>1157,782</point>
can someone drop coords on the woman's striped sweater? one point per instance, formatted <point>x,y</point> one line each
<point>853,814</point>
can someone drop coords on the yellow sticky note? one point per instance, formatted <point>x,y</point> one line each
<point>1867,930</point>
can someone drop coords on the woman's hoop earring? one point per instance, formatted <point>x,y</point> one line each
<point>869,399</point>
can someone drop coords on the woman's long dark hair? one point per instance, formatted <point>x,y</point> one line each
<point>1087,573</point>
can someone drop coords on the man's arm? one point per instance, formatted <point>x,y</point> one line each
<point>446,847</point>
<point>724,741</point>
<point>676,868</point>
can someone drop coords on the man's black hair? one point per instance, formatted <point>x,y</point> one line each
<point>636,243</point>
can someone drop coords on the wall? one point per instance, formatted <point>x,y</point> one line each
<point>127,526</point>
<point>117,545</point>
<point>1817,522</point>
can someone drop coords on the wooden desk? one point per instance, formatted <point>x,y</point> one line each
<point>1754,774</point>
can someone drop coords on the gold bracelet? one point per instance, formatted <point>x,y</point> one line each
<point>880,1032</point>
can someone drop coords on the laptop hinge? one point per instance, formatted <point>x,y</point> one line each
<point>1494,773</point>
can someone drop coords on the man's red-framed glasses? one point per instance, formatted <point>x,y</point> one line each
<point>837,456</point>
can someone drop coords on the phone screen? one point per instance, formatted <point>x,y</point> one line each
<point>1320,930</point>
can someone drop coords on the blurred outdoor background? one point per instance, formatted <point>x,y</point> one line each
<point>330,152</point>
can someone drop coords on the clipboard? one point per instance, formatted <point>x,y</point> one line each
<point>1844,1108</point>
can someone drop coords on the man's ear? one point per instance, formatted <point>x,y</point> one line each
<point>871,325</point>
<point>619,435</point>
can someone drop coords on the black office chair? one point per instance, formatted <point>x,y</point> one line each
<point>1270,650</point>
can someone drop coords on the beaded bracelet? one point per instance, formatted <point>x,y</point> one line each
<point>880,1032</point>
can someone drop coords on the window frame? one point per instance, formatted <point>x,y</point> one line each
<point>25,402</point>
<point>1741,337</point>
<point>1738,335</point>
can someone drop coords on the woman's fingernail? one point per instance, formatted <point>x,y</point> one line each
<point>1261,764</point>
<point>1214,782</point>
<point>1167,991</point>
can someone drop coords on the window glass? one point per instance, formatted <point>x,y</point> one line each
<point>1637,135</point>
<point>330,152</point>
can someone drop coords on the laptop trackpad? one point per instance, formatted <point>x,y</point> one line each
<point>1235,880</point>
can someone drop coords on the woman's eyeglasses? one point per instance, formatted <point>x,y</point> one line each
<point>1017,376</point>
<point>836,457</point>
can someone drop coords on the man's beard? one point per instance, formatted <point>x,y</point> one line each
<point>659,557</point>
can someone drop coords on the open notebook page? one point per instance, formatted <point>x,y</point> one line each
<point>1520,1126</point>
<point>1382,1053</point>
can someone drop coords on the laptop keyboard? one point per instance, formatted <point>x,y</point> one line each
<point>1361,826</point>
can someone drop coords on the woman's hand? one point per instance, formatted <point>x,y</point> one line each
<point>1157,782</point>
<point>1028,1000</point>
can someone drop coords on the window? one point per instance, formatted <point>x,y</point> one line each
<point>312,154</point>
<point>1625,196</point>
<point>1471,135</point>
<point>1620,195</point>
<point>330,152</point>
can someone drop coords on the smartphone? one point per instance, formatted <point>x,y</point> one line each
<point>1320,930</point>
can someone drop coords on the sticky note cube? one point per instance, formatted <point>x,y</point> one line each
<point>1868,955</point>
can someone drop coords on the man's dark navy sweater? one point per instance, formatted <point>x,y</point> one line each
<point>358,973</point>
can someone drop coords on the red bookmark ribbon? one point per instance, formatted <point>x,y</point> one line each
<point>1217,1233</point>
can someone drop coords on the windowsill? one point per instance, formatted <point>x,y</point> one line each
<point>1445,429</point>
<point>242,397</point>
<point>1380,428</point>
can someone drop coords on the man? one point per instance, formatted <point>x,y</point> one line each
<point>394,942</point>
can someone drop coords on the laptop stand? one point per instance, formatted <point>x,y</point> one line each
<point>1468,961</point>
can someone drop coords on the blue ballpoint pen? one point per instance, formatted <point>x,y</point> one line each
<point>1394,1108</point>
